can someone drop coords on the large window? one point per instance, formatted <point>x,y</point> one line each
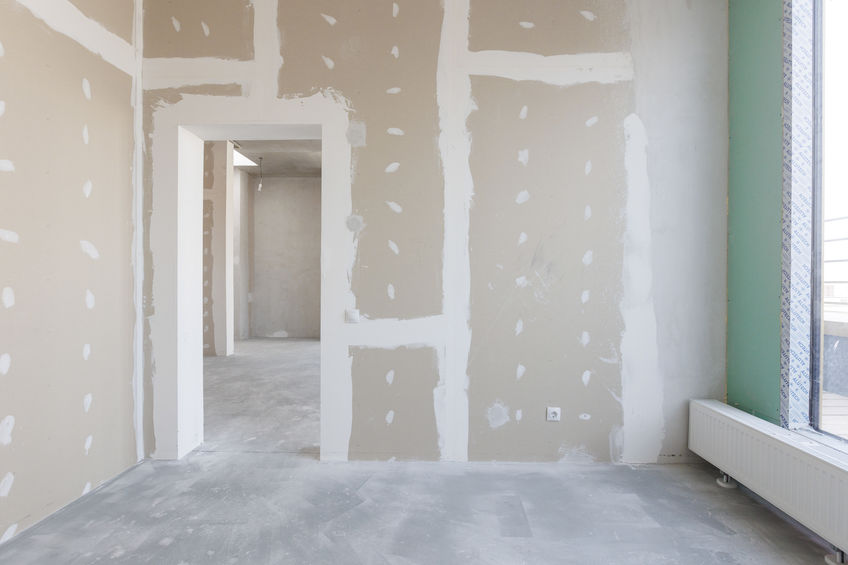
<point>830,390</point>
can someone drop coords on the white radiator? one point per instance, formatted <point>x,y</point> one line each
<point>803,478</point>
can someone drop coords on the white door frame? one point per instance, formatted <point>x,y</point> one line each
<point>175,256</point>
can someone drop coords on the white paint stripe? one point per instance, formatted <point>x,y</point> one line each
<point>6,166</point>
<point>65,18</point>
<point>175,72</point>
<point>560,70</point>
<point>453,92</point>
<point>262,84</point>
<point>641,377</point>
<point>137,250</point>
<point>391,332</point>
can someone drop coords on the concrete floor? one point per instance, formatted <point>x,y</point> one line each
<point>256,494</point>
<point>264,398</point>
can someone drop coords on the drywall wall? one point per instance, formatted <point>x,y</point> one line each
<point>218,249</point>
<point>681,98</point>
<point>66,233</point>
<point>755,207</point>
<point>365,53</point>
<point>286,261</point>
<point>398,422</point>
<point>518,206</point>
<point>198,28</point>
<point>546,261</point>
<point>117,16</point>
<point>242,264</point>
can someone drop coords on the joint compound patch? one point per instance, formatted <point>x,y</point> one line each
<point>357,133</point>
<point>7,424</point>
<point>497,414</point>
<point>355,223</point>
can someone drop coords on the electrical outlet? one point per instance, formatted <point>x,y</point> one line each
<point>554,414</point>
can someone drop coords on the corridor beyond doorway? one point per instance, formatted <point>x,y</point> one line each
<point>265,398</point>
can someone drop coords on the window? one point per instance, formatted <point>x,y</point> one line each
<point>829,398</point>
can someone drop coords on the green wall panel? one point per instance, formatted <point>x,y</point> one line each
<point>755,206</point>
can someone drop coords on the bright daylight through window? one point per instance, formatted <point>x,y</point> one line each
<point>833,377</point>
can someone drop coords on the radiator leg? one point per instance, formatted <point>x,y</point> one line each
<point>724,481</point>
<point>837,558</point>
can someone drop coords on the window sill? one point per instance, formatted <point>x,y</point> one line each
<point>829,444</point>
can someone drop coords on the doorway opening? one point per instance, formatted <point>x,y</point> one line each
<point>262,295</point>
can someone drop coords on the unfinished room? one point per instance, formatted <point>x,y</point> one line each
<point>408,282</point>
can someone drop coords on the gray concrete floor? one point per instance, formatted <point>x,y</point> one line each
<point>254,493</point>
<point>264,398</point>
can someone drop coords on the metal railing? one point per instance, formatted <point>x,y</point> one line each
<point>834,281</point>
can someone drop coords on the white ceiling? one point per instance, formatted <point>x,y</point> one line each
<point>291,158</point>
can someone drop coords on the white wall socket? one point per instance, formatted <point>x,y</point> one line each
<point>554,414</point>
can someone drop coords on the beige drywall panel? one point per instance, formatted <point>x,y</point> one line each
<point>242,265</point>
<point>363,52</point>
<point>198,28</point>
<point>218,329</point>
<point>549,27</point>
<point>546,268</point>
<point>208,255</point>
<point>393,413</point>
<point>208,278</point>
<point>115,15</point>
<point>66,316</point>
<point>286,297</point>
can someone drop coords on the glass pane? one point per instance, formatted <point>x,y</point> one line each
<point>833,381</point>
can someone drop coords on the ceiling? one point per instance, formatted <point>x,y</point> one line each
<point>291,158</point>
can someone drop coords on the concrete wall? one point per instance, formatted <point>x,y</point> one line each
<point>533,214</point>
<point>242,264</point>
<point>286,261</point>
<point>66,254</point>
